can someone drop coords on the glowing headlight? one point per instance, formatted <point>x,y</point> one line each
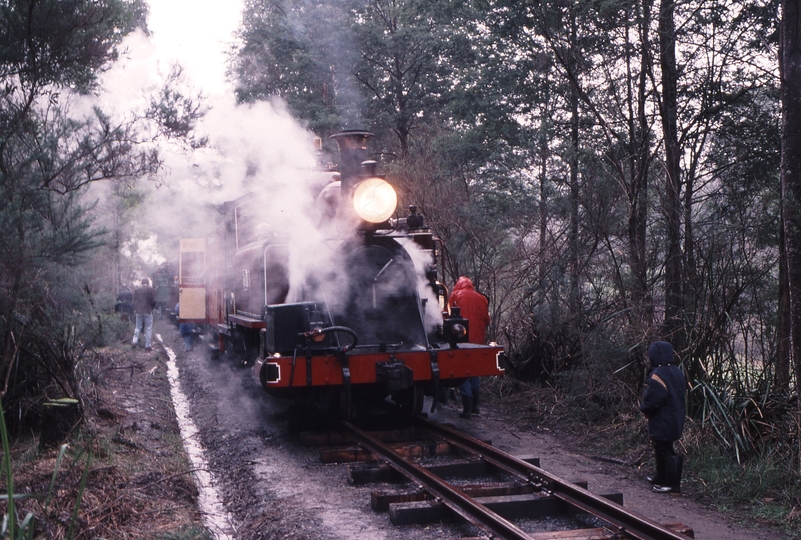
<point>375,200</point>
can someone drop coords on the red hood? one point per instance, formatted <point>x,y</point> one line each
<point>463,284</point>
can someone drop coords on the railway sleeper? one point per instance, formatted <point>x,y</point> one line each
<point>410,450</point>
<point>380,500</point>
<point>594,534</point>
<point>359,454</point>
<point>360,474</point>
<point>527,506</point>
<point>337,438</point>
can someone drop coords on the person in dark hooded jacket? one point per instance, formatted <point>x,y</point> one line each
<point>663,404</point>
<point>474,307</point>
<point>144,300</point>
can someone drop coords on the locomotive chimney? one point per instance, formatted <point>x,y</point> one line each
<point>352,152</point>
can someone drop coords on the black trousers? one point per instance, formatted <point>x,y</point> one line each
<point>662,450</point>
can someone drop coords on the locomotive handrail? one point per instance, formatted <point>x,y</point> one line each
<point>393,346</point>
<point>320,331</point>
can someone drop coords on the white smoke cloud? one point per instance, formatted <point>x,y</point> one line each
<point>198,34</point>
<point>252,148</point>
<point>421,259</point>
<point>257,150</point>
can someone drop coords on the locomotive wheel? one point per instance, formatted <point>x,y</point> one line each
<point>410,400</point>
<point>335,402</point>
<point>345,410</point>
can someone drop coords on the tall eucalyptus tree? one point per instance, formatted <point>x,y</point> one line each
<point>674,278</point>
<point>790,65</point>
<point>301,51</point>
<point>601,133</point>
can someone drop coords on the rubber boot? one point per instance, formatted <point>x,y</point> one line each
<point>474,408</point>
<point>679,466</point>
<point>467,404</point>
<point>673,467</point>
<point>660,478</point>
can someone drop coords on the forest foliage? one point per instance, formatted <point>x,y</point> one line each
<point>607,171</point>
<point>60,247</point>
<point>51,51</point>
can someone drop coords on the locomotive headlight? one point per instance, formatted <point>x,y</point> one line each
<point>375,200</point>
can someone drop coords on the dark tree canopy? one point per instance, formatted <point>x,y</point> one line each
<point>51,51</point>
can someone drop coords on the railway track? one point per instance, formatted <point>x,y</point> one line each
<point>455,477</point>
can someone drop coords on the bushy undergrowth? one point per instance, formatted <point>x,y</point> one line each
<point>766,488</point>
<point>106,480</point>
<point>765,485</point>
<point>53,343</point>
<point>758,482</point>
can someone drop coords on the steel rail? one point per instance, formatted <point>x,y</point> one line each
<point>628,523</point>
<point>455,499</point>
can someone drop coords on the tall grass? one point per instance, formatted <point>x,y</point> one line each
<point>10,527</point>
<point>24,530</point>
<point>747,425</point>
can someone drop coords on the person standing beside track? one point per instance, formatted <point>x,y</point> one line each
<point>663,404</point>
<point>475,308</point>
<point>144,300</point>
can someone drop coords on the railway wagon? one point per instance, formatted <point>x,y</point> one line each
<point>346,314</point>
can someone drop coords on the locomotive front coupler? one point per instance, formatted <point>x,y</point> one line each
<point>394,374</point>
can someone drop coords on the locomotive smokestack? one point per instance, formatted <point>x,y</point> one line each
<point>352,152</point>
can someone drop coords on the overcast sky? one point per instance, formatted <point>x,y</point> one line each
<point>196,34</point>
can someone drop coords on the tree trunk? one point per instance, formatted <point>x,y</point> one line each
<point>573,233</point>
<point>544,154</point>
<point>674,297</point>
<point>790,69</point>
<point>642,299</point>
<point>783,350</point>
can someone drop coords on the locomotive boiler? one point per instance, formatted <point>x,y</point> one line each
<point>345,313</point>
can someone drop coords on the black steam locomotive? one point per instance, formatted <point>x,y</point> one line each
<point>338,304</point>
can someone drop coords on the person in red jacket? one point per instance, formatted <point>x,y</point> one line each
<point>475,308</point>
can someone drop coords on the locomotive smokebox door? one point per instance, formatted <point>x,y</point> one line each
<point>285,322</point>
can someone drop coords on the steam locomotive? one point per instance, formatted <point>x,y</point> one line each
<point>337,304</point>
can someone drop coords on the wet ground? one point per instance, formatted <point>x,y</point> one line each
<point>274,487</point>
<point>271,485</point>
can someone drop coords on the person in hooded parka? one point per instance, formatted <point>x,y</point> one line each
<point>663,404</point>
